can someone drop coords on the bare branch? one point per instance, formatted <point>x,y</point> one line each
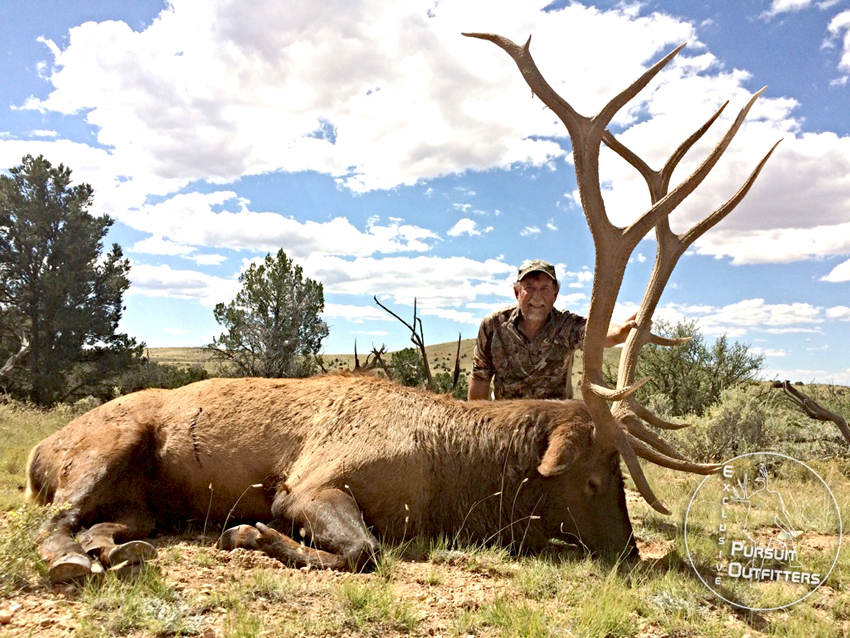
<point>456,376</point>
<point>16,358</point>
<point>811,408</point>
<point>418,338</point>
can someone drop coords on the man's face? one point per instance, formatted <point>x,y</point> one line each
<point>536,295</point>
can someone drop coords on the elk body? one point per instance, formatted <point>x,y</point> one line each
<point>343,460</point>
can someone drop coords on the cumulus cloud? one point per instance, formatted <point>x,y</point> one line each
<point>778,7</point>
<point>163,281</point>
<point>196,219</point>
<point>839,274</point>
<point>467,226</point>
<point>433,281</point>
<point>839,30</point>
<point>255,89</point>
<point>841,313</point>
<point>747,317</point>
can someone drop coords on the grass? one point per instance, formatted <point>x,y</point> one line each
<point>419,588</point>
<point>21,427</point>
<point>145,602</point>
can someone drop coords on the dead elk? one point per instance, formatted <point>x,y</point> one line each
<point>342,460</point>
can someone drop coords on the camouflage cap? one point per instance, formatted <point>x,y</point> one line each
<point>537,265</point>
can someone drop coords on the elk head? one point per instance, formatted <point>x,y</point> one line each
<point>618,418</point>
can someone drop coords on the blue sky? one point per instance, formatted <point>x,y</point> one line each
<point>390,156</point>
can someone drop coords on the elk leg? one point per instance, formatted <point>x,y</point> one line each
<point>66,559</point>
<point>329,517</point>
<point>279,546</point>
<point>334,522</point>
<point>113,481</point>
<point>118,542</point>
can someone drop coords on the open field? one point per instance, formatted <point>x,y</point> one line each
<point>441,357</point>
<point>419,589</point>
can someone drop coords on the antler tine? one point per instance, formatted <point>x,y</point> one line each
<point>659,181</point>
<point>653,419</point>
<point>521,55</point>
<point>670,249</point>
<point>663,207</point>
<point>646,452</point>
<point>623,98</point>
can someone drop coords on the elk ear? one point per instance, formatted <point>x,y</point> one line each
<point>560,454</point>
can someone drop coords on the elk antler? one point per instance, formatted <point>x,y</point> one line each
<point>614,246</point>
<point>374,359</point>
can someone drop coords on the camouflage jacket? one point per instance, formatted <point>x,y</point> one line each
<point>539,368</point>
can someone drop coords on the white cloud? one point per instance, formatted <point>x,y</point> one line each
<point>787,6</point>
<point>839,274</point>
<point>154,245</point>
<point>769,352</point>
<point>747,316</point>
<point>529,231</point>
<point>467,226</point>
<point>356,314</point>
<point>255,89</point>
<point>841,313</point>
<point>839,29</point>
<point>195,219</point>
<point>437,283</point>
<point>208,260</point>
<point>163,281</point>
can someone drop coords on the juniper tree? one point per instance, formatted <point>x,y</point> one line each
<point>273,326</point>
<point>59,291</point>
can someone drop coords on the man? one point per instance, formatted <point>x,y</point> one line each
<point>528,348</point>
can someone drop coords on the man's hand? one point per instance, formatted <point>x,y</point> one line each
<point>617,333</point>
<point>478,389</point>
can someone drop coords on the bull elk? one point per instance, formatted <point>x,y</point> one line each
<point>336,462</point>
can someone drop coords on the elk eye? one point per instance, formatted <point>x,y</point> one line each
<point>592,486</point>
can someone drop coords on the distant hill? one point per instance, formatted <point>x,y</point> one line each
<point>441,356</point>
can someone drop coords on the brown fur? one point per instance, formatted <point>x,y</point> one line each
<point>328,450</point>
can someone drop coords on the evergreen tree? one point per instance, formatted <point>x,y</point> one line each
<point>692,376</point>
<point>58,290</point>
<point>273,327</point>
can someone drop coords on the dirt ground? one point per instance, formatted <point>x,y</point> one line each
<point>54,613</point>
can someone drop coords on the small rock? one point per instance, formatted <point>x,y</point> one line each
<point>6,614</point>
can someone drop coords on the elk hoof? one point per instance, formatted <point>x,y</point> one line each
<point>70,567</point>
<point>240,536</point>
<point>131,553</point>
